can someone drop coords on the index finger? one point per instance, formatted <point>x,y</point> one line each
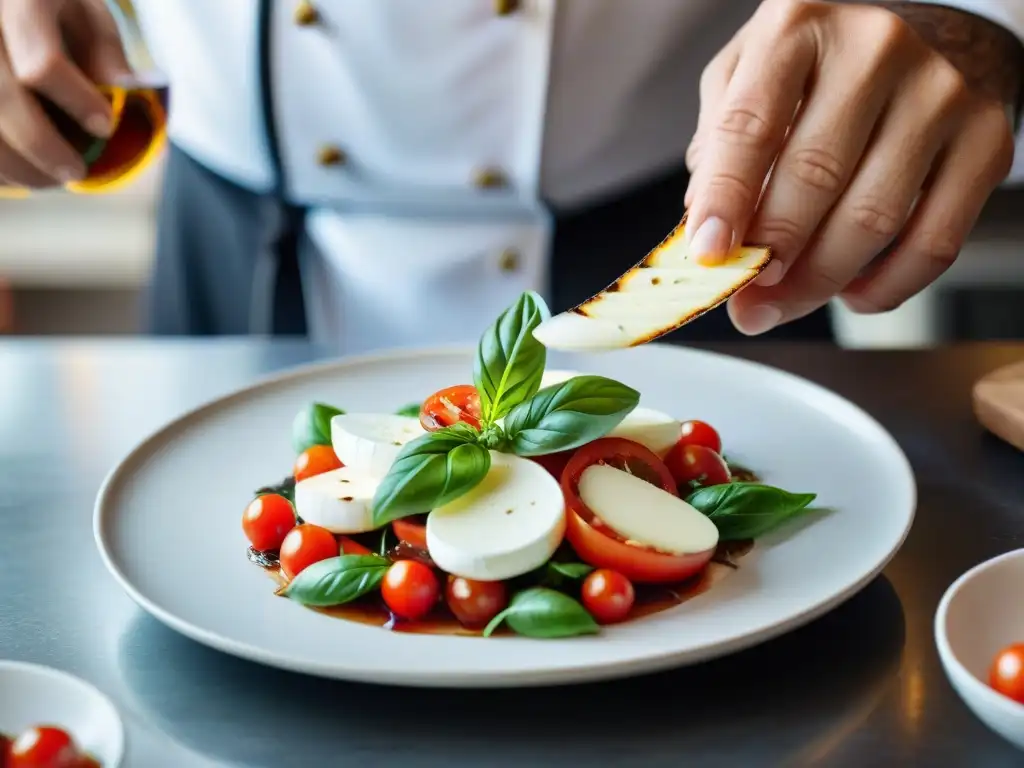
<point>744,138</point>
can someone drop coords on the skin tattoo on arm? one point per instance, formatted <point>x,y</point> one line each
<point>990,58</point>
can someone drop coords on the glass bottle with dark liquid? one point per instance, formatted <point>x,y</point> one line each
<point>139,110</point>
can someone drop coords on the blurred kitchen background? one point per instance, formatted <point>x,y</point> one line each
<point>78,265</point>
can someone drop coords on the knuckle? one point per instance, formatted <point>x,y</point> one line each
<point>875,219</point>
<point>37,72</point>
<point>788,15</point>
<point>948,85</point>
<point>818,168</point>
<point>940,247</point>
<point>734,189</point>
<point>889,33</point>
<point>782,233</point>
<point>744,124</point>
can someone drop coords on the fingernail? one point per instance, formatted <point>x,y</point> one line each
<point>759,319</point>
<point>772,274</point>
<point>99,125</point>
<point>712,241</point>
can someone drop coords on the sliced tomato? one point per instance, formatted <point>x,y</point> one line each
<point>347,546</point>
<point>449,406</point>
<point>599,545</point>
<point>412,531</point>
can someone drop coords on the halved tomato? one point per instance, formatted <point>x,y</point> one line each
<point>598,544</point>
<point>412,531</point>
<point>449,406</point>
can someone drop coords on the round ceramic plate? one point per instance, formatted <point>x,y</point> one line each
<point>168,521</point>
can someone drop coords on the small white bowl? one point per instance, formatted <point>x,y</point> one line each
<point>980,614</point>
<point>35,695</point>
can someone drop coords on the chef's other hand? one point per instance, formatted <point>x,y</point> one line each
<point>58,49</point>
<point>876,141</point>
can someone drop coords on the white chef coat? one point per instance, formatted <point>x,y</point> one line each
<point>426,136</point>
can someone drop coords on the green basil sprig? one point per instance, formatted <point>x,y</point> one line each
<point>748,510</point>
<point>568,415</point>
<point>544,613</point>
<point>509,360</point>
<point>312,426</point>
<point>429,472</point>
<point>337,580</point>
<point>412,410</point>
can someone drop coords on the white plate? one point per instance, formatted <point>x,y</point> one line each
<point>32,695</point>
<point>168,521</point>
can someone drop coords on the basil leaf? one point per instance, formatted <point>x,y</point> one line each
<point>337,580</point>
<point>544,613</point>
<point>568,415</point>
<point>748,510</point>
<point>312,426</point>
<point>412,410</point>
<point>574,571</point>
<point>431,471</point>
<point>509,360</point>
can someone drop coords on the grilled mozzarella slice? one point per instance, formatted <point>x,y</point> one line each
<point>644,513</point>
<point>666,290</point>
<point>369,443</point>
<point>509,524</point>
<point>340,500</point>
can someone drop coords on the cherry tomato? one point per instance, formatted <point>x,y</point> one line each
<point>267,520</point>
<point>1007,672</point>
<point>304,545</point>
<point>352,547</point>
<point>599,545</point>
<point>44,747</point>
<point>691,464</point>
<point>475,603</point>
<point>554,462</point>
<point>700,433</point>
<point>410,589</point>
<point>315,460</point>
<point>451,405</point>
<point>608,595</point>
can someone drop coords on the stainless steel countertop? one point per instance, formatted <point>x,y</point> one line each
<point>859,687</point>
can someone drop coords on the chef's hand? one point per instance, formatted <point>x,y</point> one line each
<point>57,48</point>
<point>860,117</point>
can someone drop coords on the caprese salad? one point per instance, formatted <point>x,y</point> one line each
<point>544,502</point>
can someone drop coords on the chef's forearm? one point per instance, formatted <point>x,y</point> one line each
<point>990,57</point>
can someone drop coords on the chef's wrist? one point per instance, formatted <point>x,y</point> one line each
<point>989,56</point>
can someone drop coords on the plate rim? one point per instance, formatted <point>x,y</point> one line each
<point>468,678</point>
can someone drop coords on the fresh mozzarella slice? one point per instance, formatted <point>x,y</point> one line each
<point>369,443</point>
<point>339,500</point>
<point>652,429</point>
<point>509,524</point>
<point>666,290</point>
<point>644,513</point>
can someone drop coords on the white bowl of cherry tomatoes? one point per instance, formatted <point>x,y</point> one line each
<point>981,644</point>
<point>50,719</point>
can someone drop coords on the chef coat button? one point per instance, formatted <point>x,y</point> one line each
<point>330,155</point>
<point>505,7</point>
<point>490,178</point>
<point>508,260</point>
<point>306,14</point>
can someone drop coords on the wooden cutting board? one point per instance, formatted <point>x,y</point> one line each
<point>999,403</point>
